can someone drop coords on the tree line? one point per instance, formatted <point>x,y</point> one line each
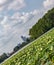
<point>43,25</point>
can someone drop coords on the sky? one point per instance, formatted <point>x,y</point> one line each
<point>17,17</point>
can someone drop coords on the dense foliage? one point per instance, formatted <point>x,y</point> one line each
<point>3,57</point>
<point>39,52</point>
<point>43,25</point>
<point>21,45</point>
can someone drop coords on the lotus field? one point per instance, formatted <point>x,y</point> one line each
<point>38,52</point>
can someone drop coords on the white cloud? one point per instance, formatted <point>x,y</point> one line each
<point>5,25</point>
<point>24,16</point>
<point>4,20</point>
<point>2,1</point>
<point>20,17</point>
<point>29,15</point>
<point>16,15</point>
<point>35,12</point>
<point>12,27</point>
<point>17,18</point>
<point>6,5</point>
<point>48,3</point>
<point>16,4</point>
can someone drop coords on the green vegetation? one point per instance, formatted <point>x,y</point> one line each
<point>39,52</point>
<point>4,56</point>
<point>43,25</point>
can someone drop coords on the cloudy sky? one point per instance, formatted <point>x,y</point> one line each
<point>17,17</point>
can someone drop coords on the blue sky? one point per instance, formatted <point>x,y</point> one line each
<point>31,5</point>
<point>17,17</point>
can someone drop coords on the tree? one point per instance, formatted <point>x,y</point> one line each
<point>3,57</point>
<point>16,48</point>
<point>43,25</point>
